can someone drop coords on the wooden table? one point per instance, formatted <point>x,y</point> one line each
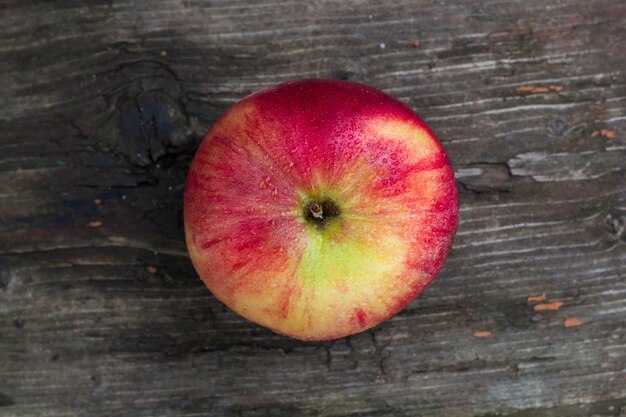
<point>103,104</point>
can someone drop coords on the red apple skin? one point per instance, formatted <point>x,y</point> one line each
<point>303,141</point>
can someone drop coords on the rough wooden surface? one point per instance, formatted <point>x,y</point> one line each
<point>102,104</point>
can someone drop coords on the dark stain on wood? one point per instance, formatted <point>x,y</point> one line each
<point>103,105</point>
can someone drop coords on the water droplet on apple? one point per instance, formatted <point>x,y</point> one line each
<point>393,155</point>
<point>265,182</point>
<point>250,210</point>
<point>393,171</point>
<point>287,167</point>
<point>384,160</point>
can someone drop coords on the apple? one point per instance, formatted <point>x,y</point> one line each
<point>319,208</point>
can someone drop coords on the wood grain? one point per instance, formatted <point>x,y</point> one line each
<point>107,100</point>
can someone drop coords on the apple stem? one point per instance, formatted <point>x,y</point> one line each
<point>320,212</point>
<point>317,210</point>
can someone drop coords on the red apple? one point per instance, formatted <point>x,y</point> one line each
<point>319,208</point>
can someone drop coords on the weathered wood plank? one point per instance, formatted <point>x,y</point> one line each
<point>103,104</point>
